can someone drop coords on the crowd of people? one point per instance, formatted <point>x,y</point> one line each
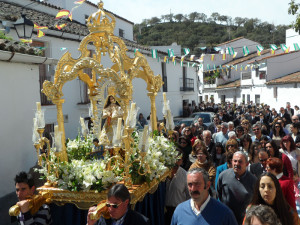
<point>244,168</point>
<point>251,157</point>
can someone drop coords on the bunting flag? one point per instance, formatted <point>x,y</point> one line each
<point>284,48</point>
<point>182,58</point>
<point>62,13</point>
<point>170,53</point>
<point>273,47</point>
<point>181,63</point>
<point>40,34</point>
<point>215,67</point>
<point>246,67</point>
<point>61,26</point>
<point>154,53</point>
<point>188,64</point>
<point>174,62</point>
<point>36,26</point>
<point>173,59</point>
<point>245,50</point>
<point>223,56</point>
<point>168,60</point>
<point>165,59</point>
<point>202,48</point>
<point>259,48</point>
<point>192,57</point>
<point>79,2</point>
<point>230,51</point>
<point>242,67</point>
<point>258,53</point>
<point>272,52</point>
<point>70,16</point>
<point>26,41</point>
<point>296,47</point>
<point>251,66</point>
<point>137,50</point>
<point>194,64</point>
<point>212,58</point>
<point>186,51</point>
<point>158,59</point>
<point>236,68</point>
<point>208,67</point>
<point>217,49</point>
<point>199,66</point>
<point>201,57</point>
<point>234,55</point>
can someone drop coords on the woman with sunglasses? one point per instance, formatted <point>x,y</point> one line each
<point>277,133</point>
<point>290,149</point>
<point>184,145</point>
<point>275,166</point>
<point>203,161</point>
<point>273,151</point>
<point>267,191</point>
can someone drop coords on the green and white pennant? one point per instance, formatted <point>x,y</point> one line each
<point>245,50</point>
<point>170,53</point>
<point>154,53</point>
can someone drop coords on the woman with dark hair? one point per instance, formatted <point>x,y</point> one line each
<point>217,154</point>
<point>274,152</point>
<point>185,147</point>
<point>253,154</point>
<point>274,166</point>
<point>277,133</point>
<point>245,142</point>
<point>290,149</point>
<point>267,191</point>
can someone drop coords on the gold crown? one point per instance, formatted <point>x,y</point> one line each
<point>101,21</point>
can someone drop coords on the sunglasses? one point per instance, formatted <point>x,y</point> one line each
<point>277,126</point>
<point>256,129</point>
<point>115,206</point>
<point>263,160</point>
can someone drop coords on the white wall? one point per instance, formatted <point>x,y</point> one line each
<point>292,37</point>
<point>283,65</point>
<point>19,85</point>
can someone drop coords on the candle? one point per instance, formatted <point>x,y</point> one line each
<point>132,108</point>
<point>35,134</point>
<point>145,136</point>
<point>38,106</point>
<point>132,114</point>
<point>57,138</point>
<point>118,133</point>
<point>165,98</point>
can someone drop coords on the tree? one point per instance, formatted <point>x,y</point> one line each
<point>193,16</point>
<point>202,17</point>
<point>239,21</point>
<point>293,9</point>
<point>179,17</point>
<point>153,21</point>
<point>215,16</point>
<point>222,18</point>
<point>169,17</point>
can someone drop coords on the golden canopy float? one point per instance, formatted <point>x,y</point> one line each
<point>137,159</point>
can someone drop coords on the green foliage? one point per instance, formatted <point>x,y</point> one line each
<point>197,30</point>
<point>3,36</point>
<point>293,9</point>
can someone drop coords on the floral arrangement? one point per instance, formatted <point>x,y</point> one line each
<point>84,173</point>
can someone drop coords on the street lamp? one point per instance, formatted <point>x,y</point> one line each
<point>24,27</point>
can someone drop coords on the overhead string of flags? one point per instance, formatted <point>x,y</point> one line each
<point>61,14</point>
<point>228,51</point>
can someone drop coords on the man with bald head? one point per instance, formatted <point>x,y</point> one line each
<point>236,185</point>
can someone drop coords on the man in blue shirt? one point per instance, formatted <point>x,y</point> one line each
<point>201,208</point>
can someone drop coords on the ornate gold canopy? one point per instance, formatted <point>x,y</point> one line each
<point>101,25</point>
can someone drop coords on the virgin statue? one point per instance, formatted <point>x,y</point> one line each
<point>111,112</point>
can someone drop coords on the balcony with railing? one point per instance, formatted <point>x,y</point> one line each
<point>186,84</point>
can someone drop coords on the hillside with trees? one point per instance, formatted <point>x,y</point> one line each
<point>197,30</point>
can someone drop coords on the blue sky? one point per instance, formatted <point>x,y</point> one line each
<point>272,11</point>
